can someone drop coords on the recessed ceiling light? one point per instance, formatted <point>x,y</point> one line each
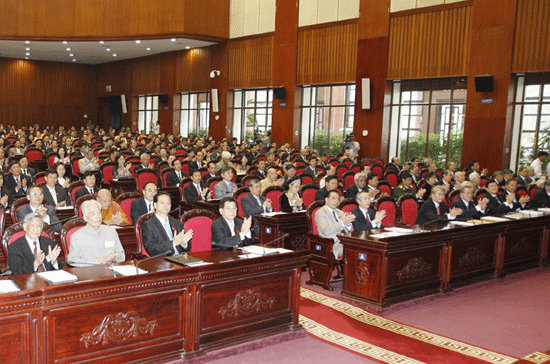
<point>71,55</point>
<point>64,42</point>
<point>173,39</point>
<point>68,49</point>
<point>101,42</point>
<point>108,49</point>
<point>27,49</point>
<point>27,42</point>
<point>74,59</point>
<point>114,54</point>
<point>148,48</point>
<point>27,54</point>
<point>138,41</point>
<point>187,47</point>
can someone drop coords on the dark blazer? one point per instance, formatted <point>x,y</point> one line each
<point>496,205</point>
<point>9,182</point>
<point>524,182</point>
<point>30,171</point>
<point>191,194</point>
<point>207,177</point>
<point>4,192</point>
<point>138,208</point>
<point>84,191</point>
<point>21,257</point>
<point>252,208</point>
<point>262,174</point>
<point>469,211</point>
<point>352,191</point>
<point>61,195</point>
<point>155,239</point>
<point>221,235</point>
<point>541,199</point>
<point>54,221</point>
<point>321,194</point>
<point>311,171</point>
<point>172,178</point>
<point>285,204</point>
<point>361,223</point>
<point>428,212</point>
<point>138,167</point>
<point>193,166</point>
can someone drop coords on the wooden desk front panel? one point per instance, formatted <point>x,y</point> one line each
<point>364,273</point>
<point>15,346</point>
<point>523,243</point>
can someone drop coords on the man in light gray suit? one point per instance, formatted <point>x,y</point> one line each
<point>36,197</point>
<point>225,188</point>
<point>255,204</point>
<point>332,221</point>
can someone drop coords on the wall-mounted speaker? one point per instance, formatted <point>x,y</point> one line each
<point>365,93</point>
<point>214,93</point>
<point>279,92</point>
<point>123,102</point>
<point>484,83</point>
<point>163,98</point>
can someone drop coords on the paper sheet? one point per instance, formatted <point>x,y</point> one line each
<point>58,276</point>
<point>7,286</point>
<point>127,270</point>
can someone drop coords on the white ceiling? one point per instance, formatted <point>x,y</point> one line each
<point>93,52</point>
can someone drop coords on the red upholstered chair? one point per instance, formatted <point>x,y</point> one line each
<point>522,191</point>
<point>366,161</point>
<point>483,181</point>
<point>185,167</point>
<point>322,262</point>
<point>408,209</point>
<point>51,157</point>
<point>378,169</point>
<point>143,176</point>
<point>163,173</point>
<point>139,235</point>
<point>125,201</point>
<point>200,221</point>
<point>340,170</point>
<point>251,170</point>
<point>39,177</point>
<point>68,229</point>
<point>307,178</point>
<point>451,197</point>
<point>299,163</point>
<point>132,158</point>
<point>16,231</point>
<point>246,179</point>
<point>355,168</point>
<point>379,161</point>
<point>385,187</point>
<point>348,179</point>
<point>238,195</point>
<point>533,189</point>
<point>74,165</point>
<point>308,194</point>
<point>80,201</point>
<point>480,193</point>
<point>348,204</point>
<point>300,169</point>
<point>212,182</point>
<point>348,162</point>
<point>72,188</point>
<point>274,194</point>
<point>16,205</point>
<point>387,203</point>
<point>392,178</point>
<point>34,154</point>
<point>184,182</point>
<point>334,161</point>
<point>107,172</point>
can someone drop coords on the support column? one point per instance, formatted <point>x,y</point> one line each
<point>167,85</point>
<point>220,128</point>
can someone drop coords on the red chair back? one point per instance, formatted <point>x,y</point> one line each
<point>212,182</point>
<point>51,158</point>
<point>533,192</point>
<point>348,205</point>
<point>313,224</point>
<point>385,188</point>
<point>308,194</point>
<point>274,194</point>
<point>409,210</point>
<point>34,154</point>
<point>349,179</point>
<point>392,178</point>
<point>340,170</point>
<point>239,194</point>
<point>139,235</point>
<point>143,176</point>
<point>387,204</point>
<point>200,221</point>
<point>378,169</point>
<point>107,172</point>
<point>306,178</point>
<point>185,168</point>
<point>164,174</point>
<point>74,164</point>
<point>68,229</point>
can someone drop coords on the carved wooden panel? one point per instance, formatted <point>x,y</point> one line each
<point>522,249</point>
<point>363,268</point>
<point>15,346</point>
<point>473,257</point>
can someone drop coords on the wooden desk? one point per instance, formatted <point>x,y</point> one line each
<point>210,205</point>
<point>172,312</point>
<point>293,224</point>
<point>122,185</point>
<point>381,272</point>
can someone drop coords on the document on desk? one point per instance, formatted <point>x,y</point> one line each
<point>127,270</point>
<point>273,213</point>
<point>65,208</point>
<point>531,213</point>
<point>462,223</point>
<point>399,230</point>
<point>7,286</point>
<point>493,219</point>
<point>389,234</point>
<point>260,250</point>
<point>186,259</point>
<point>58,276</point>
<point>544,209</point>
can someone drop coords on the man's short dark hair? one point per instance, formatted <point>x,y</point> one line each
<point>156,198</point>
<point>330,192</point>
<point>50,171</point>
<point>209,163</point>
<point>145,185</point>
<point>88,174</point>
<point>371,176</point>
<point>226,199</point>
<point>312,158</point>
<point>490,182</point>
<point>330,178</point>
<point>225,169</point>
<point>289,166</point>
<point>406,175</point>
<point>542,154</point>
<point>429,175</point>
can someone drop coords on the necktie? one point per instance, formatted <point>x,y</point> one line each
<point>367,216</point>
<point>35,252</point>
<point>54,196</point>
<point>91,191</point>
<point>149,207</point>
<point>24,171</point>
<point>259,201</point>
<point>198,190</point>
<point>335,217</point>
<point>167,229</point>
<point>438,210</point>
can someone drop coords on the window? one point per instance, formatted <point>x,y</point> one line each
<point>327,116</point>
<point>427,119</point>
<point>148,111</point>
<point>252,113</point>
<point>531,130</point>
<point>195,114</point>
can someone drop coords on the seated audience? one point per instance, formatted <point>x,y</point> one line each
<point>405,187</point>
<point>542,197</point>
<point>360,182</point>
<point>435,208</point>
<point>520,202</point>
<point>47,212</point>
<point>272,179</point>
<point>312,167</point>
<point>331,184</point>
<point>5,197</point>
<point>254,204</point>
<point>225,188</point>
<point>466,203</point>
<point>89,162</point>
<point>211,172</point>
<point>61,179</point>
<point>94,243</point>
<point>144,204</point>
<point>144,160</point>
<point>54,193</point>
<point>290,172</point>
<point>15,182</point>
<point>33,252</point>
<point>122,169</point>
<point>89,186</point>
<point>261,172</point>
<point>229,231</point>
<point>111,212</point>
<point>498,203</point>
<point>365,217</point>
<point>523,177</point>
<point>332,221</point>
<point>225,162</point>
<point>330,171</point>
<point>290,201</point>
<point>174,178</point>
<point>163,233</point>
<point>196,190</point>
<point>25,169</point>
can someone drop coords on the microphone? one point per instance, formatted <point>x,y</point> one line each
<point>168,252</point>
<point>63,221</point>
<point>273,241</point>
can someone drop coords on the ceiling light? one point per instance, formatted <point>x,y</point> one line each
<point>26,57</point>
<point>101,42</point>
<point>71,55</point>
<point>148,48</point>
<point>173,39</point>
<point>27,54</point>
<point>187,47</point>
<point>64,42</point>
<point>27,42</point>
<point>114,54</point>
<point>68,49</point>
<point>74,59</point>
<point>108,49</point>
<point>27,49</point>
<point>138,41</point>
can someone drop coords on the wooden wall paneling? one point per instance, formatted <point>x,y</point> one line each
<point>213,19</point>
<point>145,75</point>
<point>193,70</point>
<point>251,62</point>
<point>532,37</point>
<point>327,55</point>
<point>430,44</point>
<point>167,77</point>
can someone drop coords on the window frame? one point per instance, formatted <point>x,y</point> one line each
<point>196,110</point>
<point>240,112</point>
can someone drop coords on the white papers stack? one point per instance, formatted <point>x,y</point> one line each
<point>58,276</point>
<point>65,208</point>
<point>493,218</point>
<point>259,250</point>
<point>196,264</point>
<point>388,234</point>
<point>544,209</point>
<point>7,286</point>
<point>462,223</point>
<point>531,213</point>
<point>273,213</point>
<point>399,230</point>
<point>127,270</point>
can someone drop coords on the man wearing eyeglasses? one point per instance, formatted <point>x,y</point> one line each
<point>36,198</point>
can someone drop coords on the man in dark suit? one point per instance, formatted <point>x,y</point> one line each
<point>174,178</point>
<point>331,183</point>
<point>312,167</point>
<point>211,172</point>
<point>395,165</point>
<point>497,202</point>
<point>434,209</point>
<point>365,217</point>
<point>15,182</point>
<point>54,193</point>
<point>523,177</point>
<point>520,202</point>
<point>196,190</point>
<point>229,231</point>
<point>36,197</point>
<point>261,169</point>
<point>254,204</point>
<point>144,159</point>
<point>360,180</point>
<point>144,205</point>
<point>542,197</point>
<point>25,169</point>
<point>163,233</point>
<point>89,186</point>
<point>466,203</point>
<point>198,162</point>
<point>33,252</point>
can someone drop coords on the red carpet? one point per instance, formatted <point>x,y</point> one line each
<point>385,341</point>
